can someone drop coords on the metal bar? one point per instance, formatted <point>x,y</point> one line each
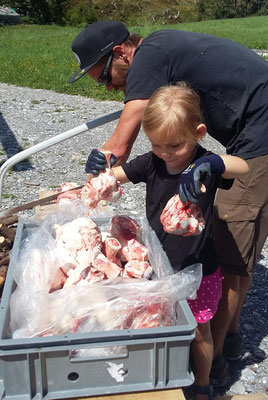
<point>52,141</point>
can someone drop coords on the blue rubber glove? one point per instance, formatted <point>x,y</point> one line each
<point>97,162</point>
<point>190,180</point>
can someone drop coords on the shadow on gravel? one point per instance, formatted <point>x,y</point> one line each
<point>254,328</point>
<point>11,146</point>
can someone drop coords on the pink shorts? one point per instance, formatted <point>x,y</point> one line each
<point>205,305</point>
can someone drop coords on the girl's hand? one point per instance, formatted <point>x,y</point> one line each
<point>190,180</point>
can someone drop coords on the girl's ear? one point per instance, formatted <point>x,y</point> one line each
<point>201,131</point>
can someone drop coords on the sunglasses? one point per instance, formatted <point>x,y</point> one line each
<point>105,78</point>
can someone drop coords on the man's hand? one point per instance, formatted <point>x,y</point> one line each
<point>190,180</point>
<point>97,162</point>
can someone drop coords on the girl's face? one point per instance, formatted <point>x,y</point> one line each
<point>176,154</point>
<point>176,151</point>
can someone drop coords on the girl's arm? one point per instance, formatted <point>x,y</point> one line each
<point>234,167</point>
<point>120,175</point>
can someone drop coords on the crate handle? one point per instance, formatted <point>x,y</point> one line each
<point>95,357</point>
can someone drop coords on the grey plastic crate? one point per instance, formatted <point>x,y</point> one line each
<point>42,367</point>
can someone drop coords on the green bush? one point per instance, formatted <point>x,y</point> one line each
<point>80,14</point>
<point>264,9</point>
<point>222,9</point>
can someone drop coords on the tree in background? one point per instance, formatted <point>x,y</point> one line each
<point>40,11</point>
<point>81,12</point>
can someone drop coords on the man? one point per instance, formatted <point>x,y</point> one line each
<point>232,84</point>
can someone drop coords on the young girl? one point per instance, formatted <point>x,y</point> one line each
<point>178,164</point>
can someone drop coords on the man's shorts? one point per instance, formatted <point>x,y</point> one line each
<point>240,224</point>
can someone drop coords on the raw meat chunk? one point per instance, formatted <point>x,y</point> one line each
<point>127,231</point>
<point>137,269</point>
<point>180,218</point>
<point>153,315</point>
<point>110,269</point>
<point>124,229</point>
<point>102,187</point>
<point>110,248</point>
<point>60,278</point>
<point>134,250</point>
<point>76,240</point>
<point>68,195</point>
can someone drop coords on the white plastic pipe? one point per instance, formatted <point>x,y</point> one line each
<point>52,141</point>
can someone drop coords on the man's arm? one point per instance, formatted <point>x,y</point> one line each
<point>121,141</point>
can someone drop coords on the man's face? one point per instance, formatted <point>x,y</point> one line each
<point>118,72</point>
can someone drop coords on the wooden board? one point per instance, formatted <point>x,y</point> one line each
<point>167,394</point>
<point>256,396</point>
<point>171,394</point>
<point>42,211</point>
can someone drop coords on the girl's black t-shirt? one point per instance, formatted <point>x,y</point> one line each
<point>160,187</point>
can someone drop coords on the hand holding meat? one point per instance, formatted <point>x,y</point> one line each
<point>180,218</point>
<point>189,186</point>
<point>97,162</point>
<point>104,186</point>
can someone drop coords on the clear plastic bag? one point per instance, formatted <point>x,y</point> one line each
<point>111,304</point>
<point>122,303</point>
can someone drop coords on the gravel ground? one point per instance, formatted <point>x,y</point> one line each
<point>28,117</point>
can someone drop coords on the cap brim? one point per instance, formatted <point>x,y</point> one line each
<point>80,73</point>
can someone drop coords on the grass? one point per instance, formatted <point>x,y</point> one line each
<point>41,56</point>
<point>251,32</point>
<point>9,196</point>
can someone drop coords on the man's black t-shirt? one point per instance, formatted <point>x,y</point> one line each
<point>160,187</point>
<point>231,81</point>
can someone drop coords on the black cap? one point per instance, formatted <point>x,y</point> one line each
<point>94,42</point>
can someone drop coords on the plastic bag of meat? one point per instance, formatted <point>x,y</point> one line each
<point>180,218</point>
<point>122,303</point>
<point>65,282</point>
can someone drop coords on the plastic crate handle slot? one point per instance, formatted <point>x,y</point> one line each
<point>98,353</point>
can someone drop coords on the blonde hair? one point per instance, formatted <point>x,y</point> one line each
<point>172,111</point>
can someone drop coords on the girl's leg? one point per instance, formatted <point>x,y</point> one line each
<point>202,350</point>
